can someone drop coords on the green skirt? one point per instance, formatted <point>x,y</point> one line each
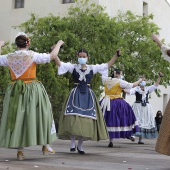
<point>32,123</point>
<point>89,129</point>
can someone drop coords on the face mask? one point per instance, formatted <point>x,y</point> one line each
<point>121,77</point>
<point>143,83</point>
<point>82,60</point>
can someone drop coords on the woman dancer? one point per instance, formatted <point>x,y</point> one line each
<point>143,110</point>
<point>118,114</point>
<point>27,115</point>
<point>82,117</point>
<point>163,141</point>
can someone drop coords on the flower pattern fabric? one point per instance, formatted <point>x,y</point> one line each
<point>19,62</point>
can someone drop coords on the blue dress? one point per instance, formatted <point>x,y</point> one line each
<point>81,99</point>
<point>81,115</point>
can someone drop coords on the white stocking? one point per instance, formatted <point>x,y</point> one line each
<point>80,142</point>
<point>73,145</point>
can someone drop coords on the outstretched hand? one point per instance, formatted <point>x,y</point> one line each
<point>118,52</point>
<point>143,78</point>
<point>60,43</point>
<point>160,74</point>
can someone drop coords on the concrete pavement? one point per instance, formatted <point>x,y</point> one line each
<point>125,155</point>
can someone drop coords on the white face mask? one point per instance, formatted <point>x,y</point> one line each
<point>82,60</point>
<point>143,83</point>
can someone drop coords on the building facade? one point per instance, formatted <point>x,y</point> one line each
<point>15,12</point>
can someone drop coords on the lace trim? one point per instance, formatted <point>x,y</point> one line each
<point>82,74</point>
<point>120,129</point>
<point>110,82</point>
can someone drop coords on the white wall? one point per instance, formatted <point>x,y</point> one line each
<point>159,8</point>
<point>10,17</point>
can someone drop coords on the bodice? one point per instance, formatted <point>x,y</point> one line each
<point>113,90</point>
<point>30,73</point>
<point>139,97</point>
<point>88,76</point>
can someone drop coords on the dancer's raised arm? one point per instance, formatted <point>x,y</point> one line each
<point>164,49</point>
<point>55,51</point>
<point>111,62</point>
<point>157,40</point>
<point>160,75</point>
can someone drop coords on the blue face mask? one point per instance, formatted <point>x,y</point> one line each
<point>121,77</point>
<point>82,60</point>
<point>143,83</point>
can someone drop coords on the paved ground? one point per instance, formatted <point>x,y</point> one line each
<point>125,155</point>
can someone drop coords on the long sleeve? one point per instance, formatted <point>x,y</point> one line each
<point>164,49</point>
<point>65,67</point>
<point>125,84</point>
<point>132,91</point>
<point>3,60</point>
<point>100,68</point>
<point>151,88</point>
<point>40,58</point>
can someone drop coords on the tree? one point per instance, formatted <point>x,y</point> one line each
<point>88,26</point>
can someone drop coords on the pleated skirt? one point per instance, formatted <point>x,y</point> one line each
<point>33,124</point>
<point>88,128</point>
<point>120,119</point>
<point>146,121</point>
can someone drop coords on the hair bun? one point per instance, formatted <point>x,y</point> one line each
<point>21,41</point>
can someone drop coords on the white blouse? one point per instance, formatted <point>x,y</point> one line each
<point>147,89</point>
<point>69,67</point>
<point>125,85</point>
<point>38,58</point>
<point>112,81</point>
<point>164,49</point>
<point>19,61</point>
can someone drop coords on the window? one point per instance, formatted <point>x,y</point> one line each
<point>68,1</point>
<point>19,3</point>
<point>145,9</point>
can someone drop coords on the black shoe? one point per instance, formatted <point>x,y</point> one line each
<point>72,149</point>
<point>140,142</point>
<point>80,152</point>
<point>110,145</point>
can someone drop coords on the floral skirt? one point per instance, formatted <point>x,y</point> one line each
<point>31,120</point>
